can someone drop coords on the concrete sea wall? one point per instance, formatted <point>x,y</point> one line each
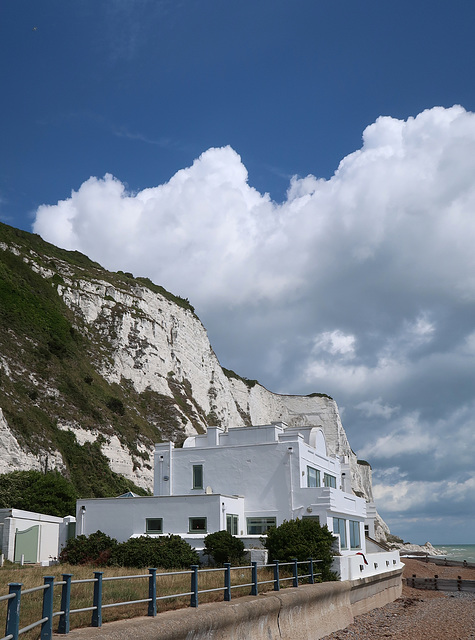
<point>308,612</point>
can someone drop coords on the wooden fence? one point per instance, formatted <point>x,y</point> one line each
<point>441,584</point>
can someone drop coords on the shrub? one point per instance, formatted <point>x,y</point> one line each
<point>167,552</point>
<point>302,539</point>
<point>94,549</point>
<point>224,547</point>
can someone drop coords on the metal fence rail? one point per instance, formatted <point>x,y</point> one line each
<point>13,598</point>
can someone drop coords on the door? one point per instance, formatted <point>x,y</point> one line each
<point>26,544</point>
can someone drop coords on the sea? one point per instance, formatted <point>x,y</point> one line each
<point>457,551</point>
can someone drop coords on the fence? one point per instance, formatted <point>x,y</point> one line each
<point>444,562</point>
<point>441,584</point>
<point>14,597</point>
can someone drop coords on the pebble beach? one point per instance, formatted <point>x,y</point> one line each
<point>418,614</point>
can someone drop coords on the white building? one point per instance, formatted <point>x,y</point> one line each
<point>33,537</point>
<point>244,480</point>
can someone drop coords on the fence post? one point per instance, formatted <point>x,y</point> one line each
<point>276,576</point>
<point>152,592</point>
<point>227,581</point>
<point>311,578</point>
<point>47,626</point>
<point>254,590</point>
<point>295,582</point>
<point>97,601</point>
<point>436,583</point>
<point>63,626</point>
<point>459,583</point>
<point>194,586</point>
<point>13,612</point>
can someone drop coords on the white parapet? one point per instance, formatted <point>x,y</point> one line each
<point>364,565</point>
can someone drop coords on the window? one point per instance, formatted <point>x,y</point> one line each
<point>339,526</point>
<point>355,534</point>
<point>314,518</point>
<point>153,525</point>
<point>329,481</point>
<point>197,525</point>
<point>313,477</point>
<point>256,526</point>
<point>197,476</point>
<point>232,523</point>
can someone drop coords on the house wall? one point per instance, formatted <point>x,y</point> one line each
<point>122,518</point>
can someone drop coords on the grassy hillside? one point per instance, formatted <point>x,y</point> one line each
<point>48,373</point>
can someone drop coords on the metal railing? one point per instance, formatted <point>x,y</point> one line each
<point>14,597</point>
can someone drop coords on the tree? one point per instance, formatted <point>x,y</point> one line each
<point>224,547</point>
<point>302,539</point>
<point>48,493</point>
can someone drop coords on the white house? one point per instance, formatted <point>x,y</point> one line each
<point>33,537</point>
<point>245,480</point>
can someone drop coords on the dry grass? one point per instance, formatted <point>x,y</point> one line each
<point>117,591</point>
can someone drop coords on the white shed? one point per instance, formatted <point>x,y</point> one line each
<point>33,537</point>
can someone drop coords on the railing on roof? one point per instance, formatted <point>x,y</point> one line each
<point>14,597</point>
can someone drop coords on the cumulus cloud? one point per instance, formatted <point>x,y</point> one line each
<point>409,438</point>
<point>361,286</point>
<point>335,343</point>
<point>376,409</point>
<point>426,498</point>
<point>395,205</point>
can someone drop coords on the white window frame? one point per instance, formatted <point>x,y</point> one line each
<point>232,524</point>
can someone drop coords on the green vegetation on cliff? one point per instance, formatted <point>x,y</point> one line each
<point>49,363</point>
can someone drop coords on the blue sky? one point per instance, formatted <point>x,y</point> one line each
<point>297,170</point>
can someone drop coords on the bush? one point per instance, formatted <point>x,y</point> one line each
<point>224,547</point>
<point>94,549</point>
<point>167,552</point>
<point>302,539</point>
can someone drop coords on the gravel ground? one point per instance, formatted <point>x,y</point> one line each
<point>418,614</point>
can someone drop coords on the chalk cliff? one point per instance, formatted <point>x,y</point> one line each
<point>145,371</point>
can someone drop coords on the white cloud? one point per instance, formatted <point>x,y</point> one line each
<point>376,409</point>
<point>335,343</point>
<point>361,286</point>
<point>409,438</point>
<point>424,497</point>
<point>401,201</point>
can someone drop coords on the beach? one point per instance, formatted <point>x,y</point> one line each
<point>418,614</point>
